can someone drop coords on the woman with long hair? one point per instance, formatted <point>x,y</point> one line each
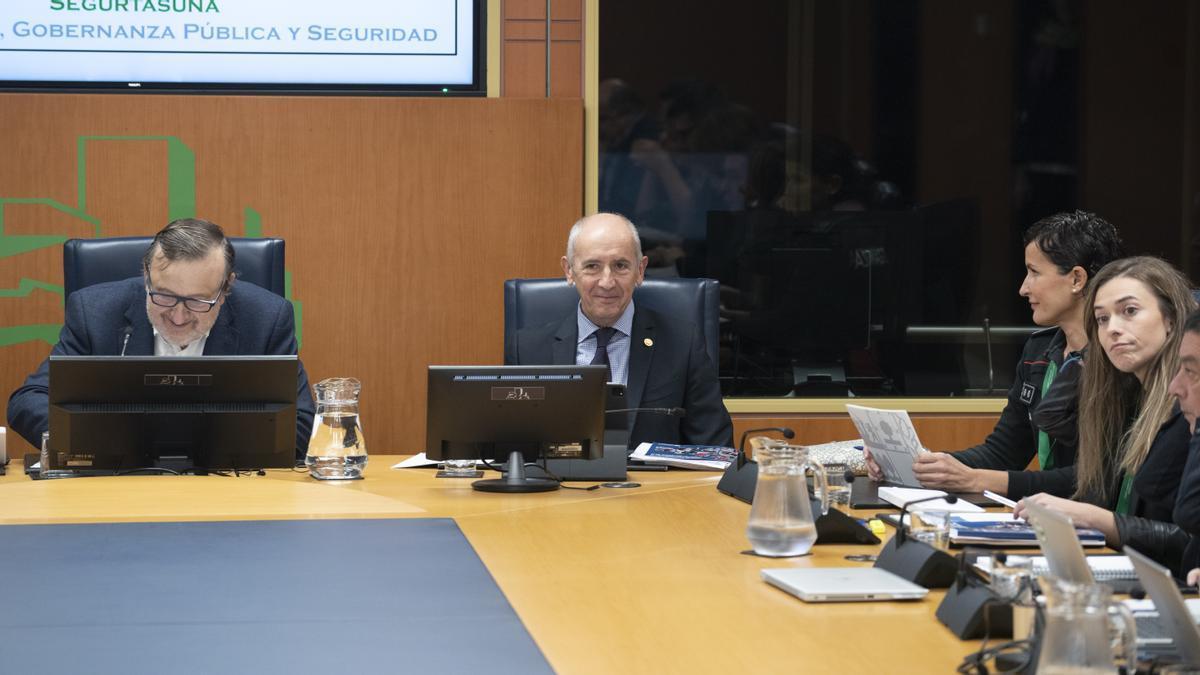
<point>1133,440</point>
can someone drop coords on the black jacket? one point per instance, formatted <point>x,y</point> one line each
<point>1012,445</point>
<point>253,321</point>
<point>668,368</point>
<point>1187,505</point>
<point>1148,527</point>
<point>1187,508</point>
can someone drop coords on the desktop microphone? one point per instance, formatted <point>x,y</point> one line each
<point>970,608</point>
<point>918,562</point>
<point>741,453</point>
<point>741,477</point>
<point>125,338</point>
<point>901,530</point>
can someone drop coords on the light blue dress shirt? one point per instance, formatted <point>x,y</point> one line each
<point>618,344</point>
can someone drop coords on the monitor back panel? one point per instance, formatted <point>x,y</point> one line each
<point>120,413</point>
<point>489,411</point>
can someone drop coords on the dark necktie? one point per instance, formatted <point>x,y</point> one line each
<point>603,335</point>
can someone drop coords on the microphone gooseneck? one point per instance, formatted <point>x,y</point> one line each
<point>901,531</point>
<point>741,453</point>
<point>125,338</point>
<point>673,412</point>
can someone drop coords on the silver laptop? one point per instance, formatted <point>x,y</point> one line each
<point>842,584</point>
<point>1060,545</point>
<point>1175,619</point>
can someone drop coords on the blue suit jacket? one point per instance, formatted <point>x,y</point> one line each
<point>253,321</point>
<point>668,368</point>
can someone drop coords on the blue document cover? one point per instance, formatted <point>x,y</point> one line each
<point>1002,529</point>
<point>702,457</point>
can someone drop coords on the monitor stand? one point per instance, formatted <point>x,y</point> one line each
<point>514,479</point>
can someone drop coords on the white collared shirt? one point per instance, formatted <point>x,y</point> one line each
<point>164,348</point>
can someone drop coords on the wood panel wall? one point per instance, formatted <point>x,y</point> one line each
<point>402,217</point>
<point>530,67</point>
<point>937,431</point>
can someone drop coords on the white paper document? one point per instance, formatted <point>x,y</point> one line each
<point>900,496</point>
<point>1104,567</point>
<point>892,440</point>
<point>1147,605</point>
<point>416,461</point>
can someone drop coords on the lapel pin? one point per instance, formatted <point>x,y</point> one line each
<point>648,342</point>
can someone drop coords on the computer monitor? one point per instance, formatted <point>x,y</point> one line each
<point>513,414</point>
<point>122,413</point>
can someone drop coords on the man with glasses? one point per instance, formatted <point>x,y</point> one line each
<point>184,304</point>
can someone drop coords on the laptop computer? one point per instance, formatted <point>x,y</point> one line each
<point>1064,552</point>
<point>1179,638</point>
<point>843,584</point>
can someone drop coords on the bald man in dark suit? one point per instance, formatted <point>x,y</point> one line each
<point>660,359</point>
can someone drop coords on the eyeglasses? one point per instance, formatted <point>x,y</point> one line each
<point>192,304</point>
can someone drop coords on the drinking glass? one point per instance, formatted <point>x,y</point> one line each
<point>839,489</point>
<point>458,468</point>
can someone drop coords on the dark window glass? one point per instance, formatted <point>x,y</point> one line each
<point>858,174</point>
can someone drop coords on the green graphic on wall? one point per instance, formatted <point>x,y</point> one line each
<point>181,203</point>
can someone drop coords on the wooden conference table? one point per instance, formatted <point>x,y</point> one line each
<point>649,579</point>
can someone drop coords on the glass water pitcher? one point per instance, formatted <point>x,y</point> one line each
<point>1085,631</point>
<point>337,449</point>
<point>781,518</point>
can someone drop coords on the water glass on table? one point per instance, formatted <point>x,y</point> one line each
<point>1012,582</point>
<point>931,527</point>
<point>44,462</point>
<point>458,468</point>
<point>839,489</point>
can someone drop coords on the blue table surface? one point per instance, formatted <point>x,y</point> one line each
<point>287,596</point>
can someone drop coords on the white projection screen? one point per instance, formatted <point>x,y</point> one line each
<point>397,46</point>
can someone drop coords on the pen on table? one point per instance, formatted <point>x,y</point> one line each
<point>1000,499</point>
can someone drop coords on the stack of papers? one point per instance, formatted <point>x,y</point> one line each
<point>701,457</point>
<point>1002,529</point>
<point>1147,605</point>
<point>899,496</point>
<point>1104,567</point>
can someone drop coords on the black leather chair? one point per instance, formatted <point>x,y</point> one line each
<point>94,261</point>
<point>533,302</point>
